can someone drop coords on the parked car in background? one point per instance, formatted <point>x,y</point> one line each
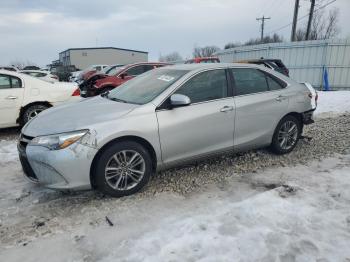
<point>110,70</point>
<point>43,75</point>
<point>22,97</point>
<point>199,60</point>
<point>274,64</point>
<point>63,72</point>
<point>9,68</point>
<point>163,118</point>
<point>31,68</point>
<point>117,76</point>
<point>91,70</point>
<point>74,76</point>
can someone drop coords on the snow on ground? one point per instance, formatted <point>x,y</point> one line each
<point>299,213</point>
<point>283,214</point>
<point>331,103</point>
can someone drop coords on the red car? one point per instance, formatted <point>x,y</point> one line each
<point>198,60</point>
<point>100,83</point>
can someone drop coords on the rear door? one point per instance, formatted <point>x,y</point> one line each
<point>203,127</point>
<point>11,97</point>
<point>261,101</point>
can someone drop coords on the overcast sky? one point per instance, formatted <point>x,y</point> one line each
<point>37,30</point>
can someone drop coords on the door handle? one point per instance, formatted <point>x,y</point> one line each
<point>11,97</point>
<point>226,109</point>
<point>280,98</point>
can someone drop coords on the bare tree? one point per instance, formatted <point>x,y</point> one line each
<point>174,56</point>
<point>322,26</point>
<point>275,38</point>
<point>20,64</point>
<point>204,51</point>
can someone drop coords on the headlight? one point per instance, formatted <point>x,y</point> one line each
<point>58,141</point>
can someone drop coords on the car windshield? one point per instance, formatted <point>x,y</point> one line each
<point>144,88</point>
<point>114,70</point>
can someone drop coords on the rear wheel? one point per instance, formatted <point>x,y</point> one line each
<point>286,135</point>
<point>123,169</point>
<point>32,111</point>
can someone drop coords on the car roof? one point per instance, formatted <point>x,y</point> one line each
<point>35,71</point>
<point>259,60</point>
<point>200,66</point>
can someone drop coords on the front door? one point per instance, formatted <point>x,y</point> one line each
<point>203,127</point>
<point>11,96</point>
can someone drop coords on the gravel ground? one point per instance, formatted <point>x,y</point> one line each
<point>30,212</point>
<point>329,136</point>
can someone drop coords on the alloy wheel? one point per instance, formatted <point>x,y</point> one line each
<point>288,135</point>
<point>33,113</point>
<point>125,170</point>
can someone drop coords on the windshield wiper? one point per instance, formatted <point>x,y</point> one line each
<point>117,99</point>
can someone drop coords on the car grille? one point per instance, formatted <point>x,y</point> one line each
<point>24,140</point>
<point>27,169</point>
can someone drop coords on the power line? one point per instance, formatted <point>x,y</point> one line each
<point>285,26</point>
<point>295,20</point>
<point>263,18</point>
<point>310,19</point>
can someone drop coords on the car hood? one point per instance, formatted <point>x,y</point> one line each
<point>76,116</point>
<point>109,80</point>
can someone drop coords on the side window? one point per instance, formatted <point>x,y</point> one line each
<point>205,86</point>
<point>136,70</point>
<point>148,67</point>
<point>273,84</point>
<point>98,68</point>
<point>16,82</point>
<point>249,81</point>
<point>5,82</point>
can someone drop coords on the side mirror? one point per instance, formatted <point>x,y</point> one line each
<point>178,100</point>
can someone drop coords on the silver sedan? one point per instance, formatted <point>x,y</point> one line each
<point>160,119</point>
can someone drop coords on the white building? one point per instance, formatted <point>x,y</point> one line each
<point>82,58</point>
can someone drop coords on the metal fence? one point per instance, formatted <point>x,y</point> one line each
<point>305,60</point>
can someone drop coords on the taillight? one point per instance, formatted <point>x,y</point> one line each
<point>76,92</point>
<point>54,77</point>
<point>316,98</point>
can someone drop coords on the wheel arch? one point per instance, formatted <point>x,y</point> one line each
<point>23,109</point>
<point>148,146</point>
<point>298,116</point>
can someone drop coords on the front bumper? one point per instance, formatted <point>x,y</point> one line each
<point>67,168</point>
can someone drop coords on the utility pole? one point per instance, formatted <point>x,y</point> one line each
<point>262,25</point>
<point>295,19</point>
<point>310,19</point>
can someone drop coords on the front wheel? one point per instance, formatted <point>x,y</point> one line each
<point>123,169</point>
<point>286,135</point>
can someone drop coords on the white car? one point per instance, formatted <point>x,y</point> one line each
<point>22,97</point>
<point>9,68</point>
<point>41,74</point>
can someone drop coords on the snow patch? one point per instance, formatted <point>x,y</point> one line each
<point>332,103</point>
<point>8,152</point>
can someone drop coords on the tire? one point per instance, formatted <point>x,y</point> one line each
<point>31,112</point>
<point>284,141</point>
<point>119,180</point>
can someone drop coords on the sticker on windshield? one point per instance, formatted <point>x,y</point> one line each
<point>166,78</point>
